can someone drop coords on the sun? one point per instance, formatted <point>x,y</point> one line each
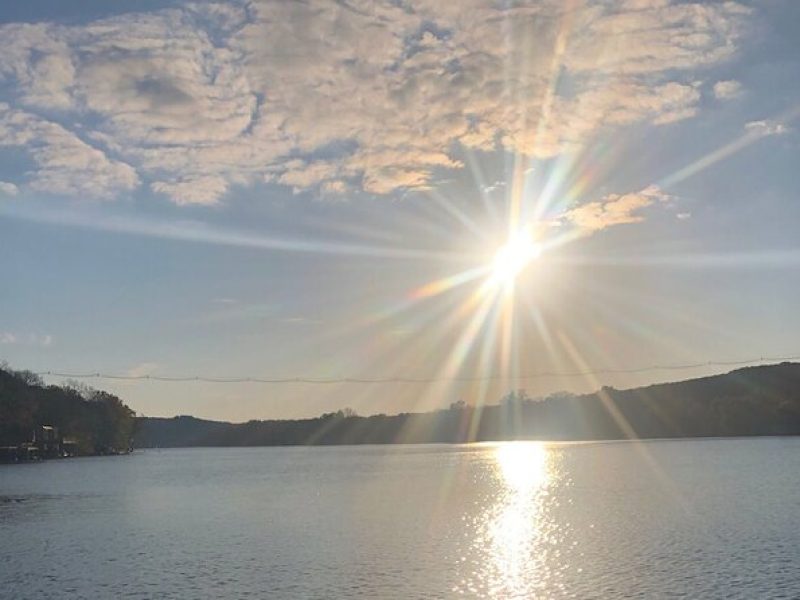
<point>513,257</point>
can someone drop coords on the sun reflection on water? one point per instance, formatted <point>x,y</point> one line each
<point>514,529</point>
<point>523,465</point>
<point>515,536</point>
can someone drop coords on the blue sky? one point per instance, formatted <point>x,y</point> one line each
<point>268,188</point>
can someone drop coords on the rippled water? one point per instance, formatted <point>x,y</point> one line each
<point>696,519</point>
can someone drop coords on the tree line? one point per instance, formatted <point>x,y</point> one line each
<point>754,401</point>
<point>98,422</point>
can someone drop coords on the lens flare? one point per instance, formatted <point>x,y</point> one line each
<point>514,256</point>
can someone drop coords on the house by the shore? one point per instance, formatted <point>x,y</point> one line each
<point>45,443</point>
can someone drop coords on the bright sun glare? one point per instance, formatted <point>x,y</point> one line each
<point>512,258</point>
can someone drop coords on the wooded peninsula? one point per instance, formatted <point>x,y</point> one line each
<point>49,421</point>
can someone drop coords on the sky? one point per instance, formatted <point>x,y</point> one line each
<point>318,190</point>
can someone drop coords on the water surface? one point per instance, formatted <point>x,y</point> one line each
<point>695,519</point>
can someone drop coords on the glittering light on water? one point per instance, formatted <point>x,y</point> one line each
<point>514,532</point>
<point>523,465</point>
<point>516,539</point>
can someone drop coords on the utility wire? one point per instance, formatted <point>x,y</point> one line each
<point>415,380</point>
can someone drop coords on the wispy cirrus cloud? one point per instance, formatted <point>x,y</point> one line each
<point>370,96</point>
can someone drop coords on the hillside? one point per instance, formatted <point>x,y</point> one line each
<point>754,401</point>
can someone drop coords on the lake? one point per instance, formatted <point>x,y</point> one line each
<point>697,519</point>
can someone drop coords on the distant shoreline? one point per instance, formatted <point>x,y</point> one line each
<point>763,401</point>
<point>482,442</point>
<point>759,401</point>
<point>34,461</point>
<point>556,443</point>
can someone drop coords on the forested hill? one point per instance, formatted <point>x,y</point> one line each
<point>747,402</point>
<point>96,422</point>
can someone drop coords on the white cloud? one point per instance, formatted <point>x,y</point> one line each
<point>39,58</point>
<point>725,90</point>
<point>614,209</point>
<point>300,175</point>
<point>31,339</point>
<point>193,190</point>
<point>333,96</point>
<point>65,163</point>
<point>496,185</point>
<point>8,189</point>
<point>766,127</point>
<point>142,369</point>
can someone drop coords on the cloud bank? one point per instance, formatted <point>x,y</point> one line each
<point>336,96</point>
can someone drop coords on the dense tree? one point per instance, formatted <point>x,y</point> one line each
<point>98,421</point>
